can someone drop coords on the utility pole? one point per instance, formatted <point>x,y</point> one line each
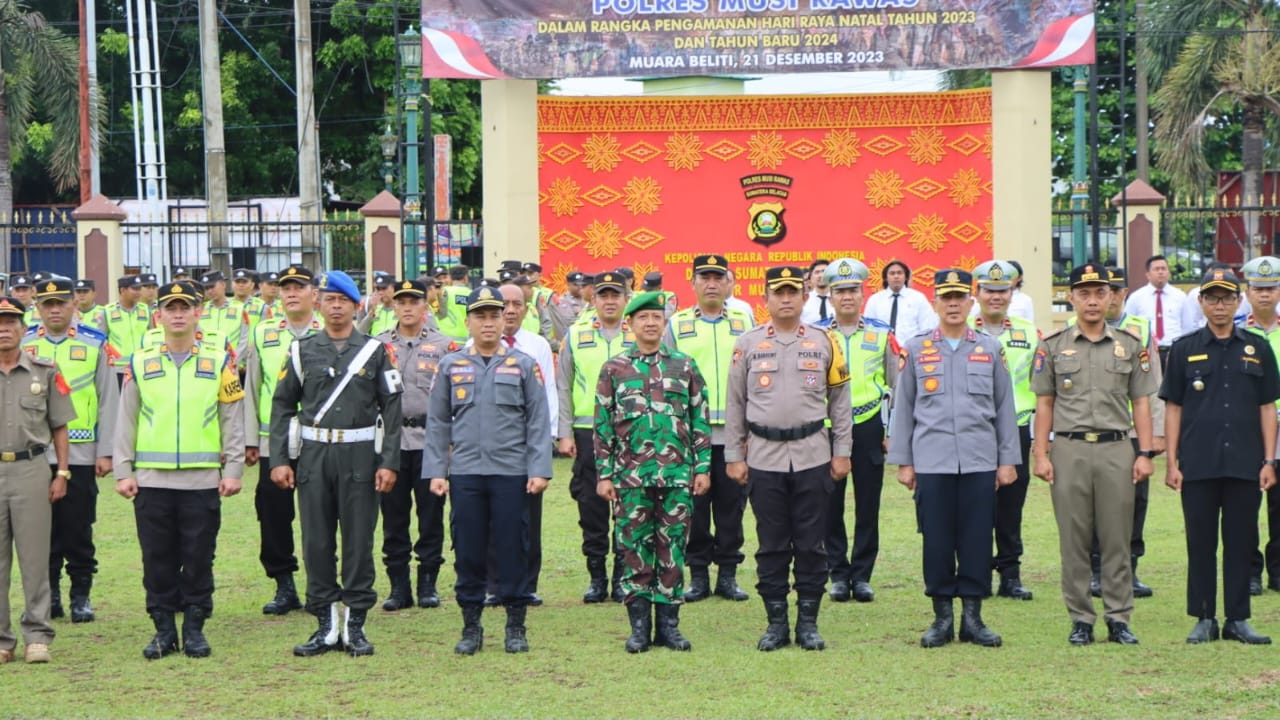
<point>91,44</point>
<point>308,142</point>
<point>215,153</point>
<point>1140,96</point>
<point>1080,185</point>
<point>86,164</point>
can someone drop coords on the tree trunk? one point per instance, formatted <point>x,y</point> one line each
<point>1251,161</point>
<point>6,181</point>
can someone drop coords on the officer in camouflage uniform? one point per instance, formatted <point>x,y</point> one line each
<point>652,438</point>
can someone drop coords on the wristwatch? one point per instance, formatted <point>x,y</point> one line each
<point>1149,454</point>
<point>64,474</point>
<point>1271,463</point>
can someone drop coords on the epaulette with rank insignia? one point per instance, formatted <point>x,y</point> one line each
<point>1056,333</point>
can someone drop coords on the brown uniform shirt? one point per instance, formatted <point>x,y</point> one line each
<point>35,401</point>
<point>1092,382</point>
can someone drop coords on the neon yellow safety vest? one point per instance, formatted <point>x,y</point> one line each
<point>125,329</point>
<point>1020,339</point>
<point>90,318</point>
<point>253,311</point>
<point>710,344</point>
<point>178,422</point>
<point>271,342</point>
<point>1272,337</point>
<point>228,321</point>
<point>454,322</point>
<point>532,319</point>
<point>384,319</point>
<point>590,352</point>
<point>155,337</point>
<point>76,356</point>
<point>864,350</point>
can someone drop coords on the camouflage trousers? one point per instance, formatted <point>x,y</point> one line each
<point>653,528</point>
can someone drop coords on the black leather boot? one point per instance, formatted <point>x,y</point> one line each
<point>618,566</point>
<point>81,610</point>
<point>1140,589</point>
<point>516,640</point>
<point>353,638</point>
<point>972,629</point>
<point>807,635</point>
<point>640,614</point>
<point>943,629</point>
<point>194,644</point>
<point>401,595</point>
<point>55,597</point>
<point>286,598</point>
<point>778,633</point>
<point>165,641</point>
<point>727,584</point>
<point>699,585</point>
<point>598,590</point>
<point>1011,586</point>
<point>328,634</point>
<point>472,632</point>
<point>666,631</point>
<point>427,595</point>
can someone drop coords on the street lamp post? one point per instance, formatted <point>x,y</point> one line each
<point>387,142</point>
<point>409,47</point>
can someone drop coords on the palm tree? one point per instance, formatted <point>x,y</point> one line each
<point>1210,59</point>
<point>38,71</point>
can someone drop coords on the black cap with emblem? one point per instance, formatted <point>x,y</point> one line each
<point>54,289</point>
<point>410,288</point>
<point>1090,273</point>
<point>297,274</point>
<point>786,276</point>
<point>710,263</point>
<point>610,281</point>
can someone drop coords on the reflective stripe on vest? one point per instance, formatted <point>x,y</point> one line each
<point>178,426</point>
<point>587,361</point>
<point>227,321</point>
<point>710,344</point>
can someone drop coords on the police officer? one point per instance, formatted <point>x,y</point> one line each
<point>243,284</point>
<point>872,353</point>
<point>125,322</point>
<point>223,316</point>
<point>87,306</point>
<point>148,290</point>
<point>419,349</point>
<point>954,437</point>
<point>786,381</point>
<point>568,306</point>
<point>179,446</point>
<point>36,403</point>
<point>380,310</point>
<point>263,362</point>
<point>344,390</point>
<point>1086,377</point>
<point>269,293</point>
<point>82,355</point>
<point>1262,275</point>
<point>453,300</point>
<point>1216,375</point>
<point>23,289</point>
<point>480,393</point>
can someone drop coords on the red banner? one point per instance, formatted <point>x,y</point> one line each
<point>648,183</point>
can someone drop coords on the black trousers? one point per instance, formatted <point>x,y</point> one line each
<point>724,504</point>
<point>593,511</point>
<point>336,491</point>
<point>412,492</point>
<point>71,536</point>
<point>533,505</point>
<point>957,516</point>
<point>178,534</point>
<point>275,509</point>
<point>1137,546</point>
<point>791,524</point>
<point>485,509</point>
<point>1010,500</point>
<point>1271,561</point>
<point>1203,501</point>
<point>867,468</point>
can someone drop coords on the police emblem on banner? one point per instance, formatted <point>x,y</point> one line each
<point>766,191</point>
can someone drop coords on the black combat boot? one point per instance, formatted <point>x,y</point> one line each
<point>55,597</point>
<point>1140,589</point>
<point>328,634</point>
<point>640,613</point>
<point>598,590</point>
<point>516,641</point>
<point>401,595</point>
<point>194,644</point>
<point>472,633</point>
<point>667,627</point>
<point>619,566</point>
<point>427,596</point>
<point>943,629</point>
<point>778,633</point>
<point>807,635</point>
<point>81,610</point>
<point>353,638</point>
<point>972,629</point>
<point>727,584</point>
<point>165,640</point>
<point>699,585</point>
<point>286,598</point>
<point>1011,586</point>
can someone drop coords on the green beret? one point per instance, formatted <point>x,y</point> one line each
<point>646,301</point>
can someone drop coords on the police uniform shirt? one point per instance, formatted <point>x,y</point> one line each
<point>418,358</point>
<point>104,381</point>
<point>1220,384</point>
<point>1092,382</point>
<point>537,347</point>
<point>36,400</point>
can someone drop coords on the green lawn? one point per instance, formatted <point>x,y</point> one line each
<point>873,665</point>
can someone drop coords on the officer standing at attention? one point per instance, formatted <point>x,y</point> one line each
<point>1086,377</point>
<point>453,301</point>
<point>707,332</point>
<point>872,353</point>
<point>263,362</point>
<point>344,390</point>
<point>419,350</point>
<point>23,289</point>
<point>35,399</point>
<point>1262,274</point>
<point>488,391</point>
<point>786,381</point>
<point>243,284</point>
<point>269,293</point>
<point>652,443</point>
<point>87,306</point>
<point>125,322</point>
<point>224,316</point>
<point>954,437</point>
<point>179,446</point>
<point>83,357</point>
<point>1216,376</point>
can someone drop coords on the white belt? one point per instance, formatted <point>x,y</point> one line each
<point>338,435</point>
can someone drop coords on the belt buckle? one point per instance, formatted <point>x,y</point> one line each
<point>1091,437</point>
<point>8,456</point>
<point>337,436</point>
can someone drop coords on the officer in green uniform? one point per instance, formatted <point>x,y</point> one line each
<point>87,306</point>
<point>453,301</point>
<point>124,321</point>
<point>343,388</point>
<point>1262,277</point>
<point>83,357</point>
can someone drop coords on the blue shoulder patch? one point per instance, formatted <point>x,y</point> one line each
<point>32,329</point>
<point>873,322</point>
<point>91,333</point>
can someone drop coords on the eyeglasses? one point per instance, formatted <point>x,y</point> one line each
<point>1219,299</point>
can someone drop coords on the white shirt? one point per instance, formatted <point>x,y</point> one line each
<point>1193,315</point>
<point>741,306</point>
<point>811,313</point>
<point>1142,302</point>
<point>915,314</point>
<point>536,347</point>
<point>1020,306</point>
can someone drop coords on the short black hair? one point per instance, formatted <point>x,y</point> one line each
<point>816,263</point>
<point>884,274</point>
<point>1156,258</point>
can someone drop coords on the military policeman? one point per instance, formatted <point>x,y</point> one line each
<point>125,322</point>
<point>786,382</point>
<point>83,357</point>
<point>1085,378</point>
<point>954,437</point>
<point>179,446</point>
<point>338,403</point>
<point>35,400</point>
<point>872,353</point>
<point>480,393</point>
<point>652,443</point>
<point>1262,275</point>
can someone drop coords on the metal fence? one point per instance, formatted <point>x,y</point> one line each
<point>40,238</point>
<point>1102,245</point>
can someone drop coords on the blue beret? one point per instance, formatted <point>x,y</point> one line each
<point>340,282</point>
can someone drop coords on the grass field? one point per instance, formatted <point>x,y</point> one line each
<point>873,665</point>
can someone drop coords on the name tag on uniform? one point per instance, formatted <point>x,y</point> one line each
<point>974,357</point>
<point>204,368</point>
<point>507,371</point>
<point>79,353</point>
<point>1197,358</point>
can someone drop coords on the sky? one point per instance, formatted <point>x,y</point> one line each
<point>780,84</point>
